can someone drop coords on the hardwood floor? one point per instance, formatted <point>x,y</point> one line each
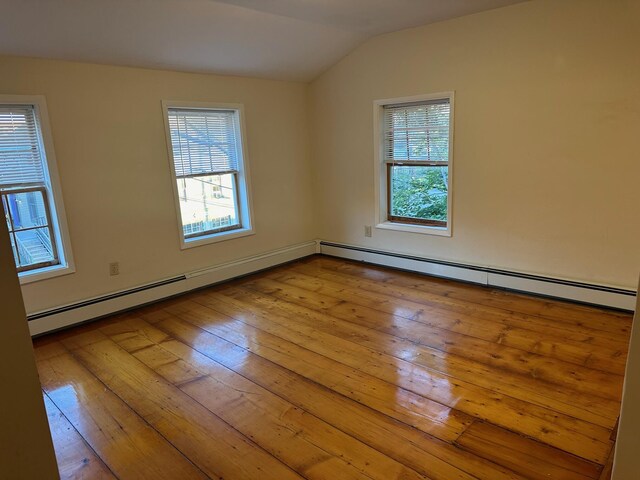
<point>329,369</point>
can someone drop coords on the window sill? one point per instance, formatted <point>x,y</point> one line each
<point>45,273</point>
<point>215,238</point>
<point>422,229</point>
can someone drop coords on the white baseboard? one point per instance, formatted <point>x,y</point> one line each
<point>93,308</point>
<point>601,295</point>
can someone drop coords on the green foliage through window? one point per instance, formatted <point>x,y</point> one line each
<point>419,192</point>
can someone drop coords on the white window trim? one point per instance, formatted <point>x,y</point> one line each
<point>380,170</point>
<point>244,184</point>
<point>56,203</point>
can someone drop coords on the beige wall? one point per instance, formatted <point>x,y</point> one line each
<point>110,144</point>
<point>547,135</point>
<point>27,451</point>
<point>545,151</point>
<point>627,461</point>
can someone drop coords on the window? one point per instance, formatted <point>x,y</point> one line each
<point>209,165</point>
<point>29,190</point>
<point>415,163</point>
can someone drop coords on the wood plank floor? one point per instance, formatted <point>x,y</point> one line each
<point>329,369</point>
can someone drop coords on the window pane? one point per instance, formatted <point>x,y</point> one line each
<point>419,192</point>
<point>27,209</point>
<point>34,247</point>
<point>208,204</point>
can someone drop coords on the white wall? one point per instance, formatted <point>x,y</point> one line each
<point>110,145</point>
<point>547,122</point>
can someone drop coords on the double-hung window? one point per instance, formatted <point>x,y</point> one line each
<point>210,172</point>
<point>29,190</point>
<point>415,163</point>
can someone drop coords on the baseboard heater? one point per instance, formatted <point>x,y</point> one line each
<point>94,308</point>
<point>591,294</point>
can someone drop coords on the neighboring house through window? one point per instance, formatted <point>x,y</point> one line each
<point>30,192</point>
<point>208,161</point>
<point>414,163</point>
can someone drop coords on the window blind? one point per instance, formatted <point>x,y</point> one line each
<point>417,132</point>
<point>203,141</point>
<point>20,153</point>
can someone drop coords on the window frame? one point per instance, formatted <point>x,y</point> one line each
<point>382,171</point>
<point>53,198</point>
<point>243,190</point>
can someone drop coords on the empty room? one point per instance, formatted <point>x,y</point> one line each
<point>320,239</point>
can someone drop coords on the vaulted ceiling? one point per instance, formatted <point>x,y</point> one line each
<point>283,39</point>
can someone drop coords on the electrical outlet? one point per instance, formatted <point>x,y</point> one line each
<point>367,230</point>
<point>114,268</point>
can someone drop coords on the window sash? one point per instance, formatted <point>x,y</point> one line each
<point>411,220</point>
<point>227,228</point>
<point>208,174</point>
<point>203,141</point>
<point>417,131</point>
<point>236,206</point>
<point>4,194</point>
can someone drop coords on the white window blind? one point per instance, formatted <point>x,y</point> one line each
<point>204,142</point>
<point>20,154</point>
<point>417,132</point>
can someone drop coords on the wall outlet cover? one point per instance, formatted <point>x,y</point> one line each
<point>114,268</point>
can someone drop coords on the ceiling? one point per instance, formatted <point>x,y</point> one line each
<point>283,39</point>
